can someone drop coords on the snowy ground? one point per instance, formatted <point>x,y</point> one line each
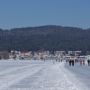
<point>40,75</point>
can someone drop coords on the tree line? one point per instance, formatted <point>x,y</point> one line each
<point>49,37</point>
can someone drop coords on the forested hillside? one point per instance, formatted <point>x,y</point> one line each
<point>48,37</point>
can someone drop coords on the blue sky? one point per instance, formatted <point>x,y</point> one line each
<point>24,13</point>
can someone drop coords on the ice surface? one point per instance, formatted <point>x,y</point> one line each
<point>40,75</point>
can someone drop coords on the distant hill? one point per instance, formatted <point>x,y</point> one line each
<point>49,37</point>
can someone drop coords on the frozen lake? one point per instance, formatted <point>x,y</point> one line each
<point>40,75</point>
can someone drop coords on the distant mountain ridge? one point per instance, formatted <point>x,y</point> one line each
<point>49,37</point>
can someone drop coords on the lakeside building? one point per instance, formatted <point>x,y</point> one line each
<point>4,55</point>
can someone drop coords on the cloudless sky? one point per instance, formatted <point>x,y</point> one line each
<point>25,13</point>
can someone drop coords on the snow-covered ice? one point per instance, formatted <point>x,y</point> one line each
<point>40,75</point>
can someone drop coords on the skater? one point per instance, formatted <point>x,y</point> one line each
<point>71,62</point>
<point>81,62</point>
<point>88,61</point>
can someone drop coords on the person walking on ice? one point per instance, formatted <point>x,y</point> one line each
<point>88,61</point>
<point>71,61</point>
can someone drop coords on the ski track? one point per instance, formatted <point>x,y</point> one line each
<point>39,76</point>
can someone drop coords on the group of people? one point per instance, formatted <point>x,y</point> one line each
<point>82,62</point>
<point>71,62</point>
